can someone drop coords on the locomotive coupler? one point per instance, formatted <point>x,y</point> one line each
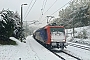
<point>58,46</point>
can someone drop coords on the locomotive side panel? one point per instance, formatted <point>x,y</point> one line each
<point>41,35</point>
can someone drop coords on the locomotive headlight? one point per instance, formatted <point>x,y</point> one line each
<point>52,40</point>
<point>63,40</point>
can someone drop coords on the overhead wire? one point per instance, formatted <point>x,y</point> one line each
<point>48,9</point>
<point>51,6</point>
<point>30,9</point>
<point>45,4</point>
<point>43,7</point>
<point>61,7</point>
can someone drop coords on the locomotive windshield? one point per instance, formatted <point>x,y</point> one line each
<point>57,29</point>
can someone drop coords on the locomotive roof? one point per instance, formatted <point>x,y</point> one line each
<point>47,26</point>
<point>53,26</point>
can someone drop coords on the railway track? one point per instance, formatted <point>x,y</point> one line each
<point>79,46</point>
<point>62,54</point>
<point>58,55</point>
<point>65,55</point>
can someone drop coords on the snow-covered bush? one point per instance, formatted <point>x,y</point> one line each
<point>9,25</point>
<point>82,34</point>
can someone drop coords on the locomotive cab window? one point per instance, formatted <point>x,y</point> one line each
<point>57,30</point>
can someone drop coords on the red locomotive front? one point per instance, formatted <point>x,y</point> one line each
<point>56,36</point>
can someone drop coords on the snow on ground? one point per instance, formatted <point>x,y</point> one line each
<point>81,53</point>
<point>31,50</point>
<point>77,32</point>
<point>84,54</point>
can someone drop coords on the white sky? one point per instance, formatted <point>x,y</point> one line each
<point>35,13</point>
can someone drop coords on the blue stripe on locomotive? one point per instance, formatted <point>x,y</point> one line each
<point>43,34</point>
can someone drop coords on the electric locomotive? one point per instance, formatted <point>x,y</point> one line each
<point>51,36</point>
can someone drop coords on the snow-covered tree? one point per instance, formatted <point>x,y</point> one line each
<point>77,14</point>
<point>9,24</point>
